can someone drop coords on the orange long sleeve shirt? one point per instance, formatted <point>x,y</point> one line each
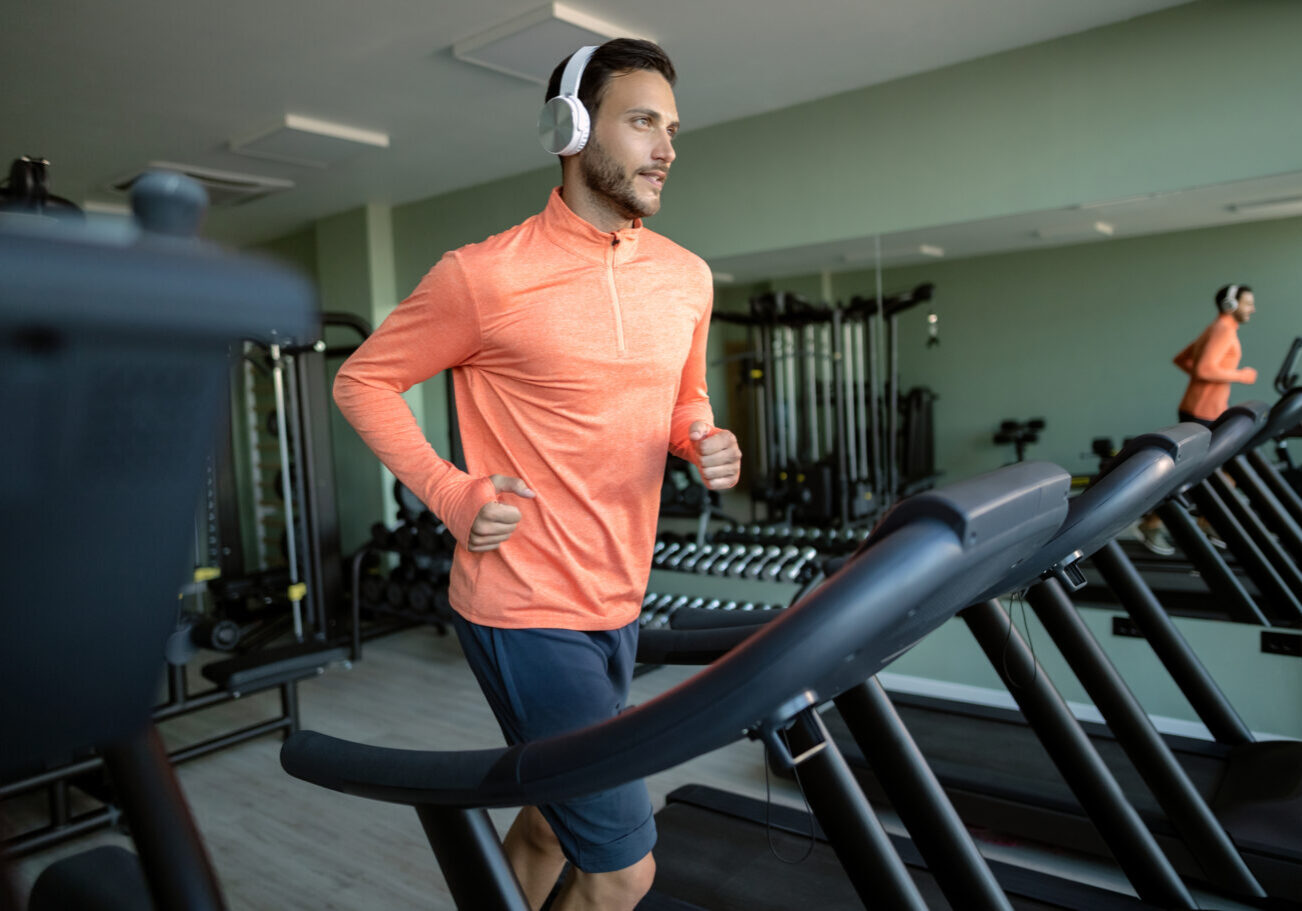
<point>578,361</point>
<point>1212,362</point>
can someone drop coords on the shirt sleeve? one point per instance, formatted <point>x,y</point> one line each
<point>1207,363</point>
<point>1185,359</point>
<point>434,329</point>
<point>693,402</point>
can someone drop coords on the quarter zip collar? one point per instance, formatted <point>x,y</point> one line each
<point>582,238</point>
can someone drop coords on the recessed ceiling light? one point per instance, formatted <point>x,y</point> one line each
<point>1286,206</point>
<point>1128,200</point>
<point>529,46</point>
<point>309,142</point>
<point>862,256</point>
<point>1057,232</point>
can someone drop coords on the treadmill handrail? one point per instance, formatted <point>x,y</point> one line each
<point>1148,469</point>
<point>877,607</point>
<point>223,292</point>
<point>1285,415</point>
<point>1231,433</point>
<point>708,711</point>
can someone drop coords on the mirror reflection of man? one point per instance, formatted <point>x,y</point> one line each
<point>1212,359</point>
<point>1212,362</point>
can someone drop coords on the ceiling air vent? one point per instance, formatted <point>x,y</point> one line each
<point>225,188</point>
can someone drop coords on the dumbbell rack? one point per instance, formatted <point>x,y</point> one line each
<point>738,568</point>
<point>415,590</point>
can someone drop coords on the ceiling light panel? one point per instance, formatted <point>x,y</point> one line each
<point>1289,205</point>
<point>309,142</point>
<point>529,46</point>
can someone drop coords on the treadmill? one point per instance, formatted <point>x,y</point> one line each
<point>1000,777</point>
<point>1149,468</point>
<point>928,559</point>
<point>1257,579</point>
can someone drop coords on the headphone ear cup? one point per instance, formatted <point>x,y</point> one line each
<point>563,125</point>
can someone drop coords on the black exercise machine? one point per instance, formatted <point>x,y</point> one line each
<point>1138,478</point>
<point>1192,795</point>
<point>113,374</point>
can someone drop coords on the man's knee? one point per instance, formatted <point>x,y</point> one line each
<point>538,832</point>
<point>618,888</point>
<point>641,876</point>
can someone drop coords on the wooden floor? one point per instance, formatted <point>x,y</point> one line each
<point>281,845</point>
<point>278,843</point>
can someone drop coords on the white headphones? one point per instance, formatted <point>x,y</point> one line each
<point>564,124</point>
<point>1230,302</point>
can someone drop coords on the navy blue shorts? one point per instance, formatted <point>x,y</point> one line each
<point>1188,418</point>
<point>541,682</point>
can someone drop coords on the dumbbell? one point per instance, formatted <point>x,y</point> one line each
<point>432,535</point>
<point>652,612</point>
<point>737,560</point>
<point>755,567</point>
<point>670,549</point>
<point>421,596</point>
<point>650,599</point>
<point>772,571</point>
<point>663,615</point>
<point>721,551</point>
<point>738,568</point>
<point>792,572</point>
<point>689,564</point>
<point>676,560</point>
<point>729,605</point>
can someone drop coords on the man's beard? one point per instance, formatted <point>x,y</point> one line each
<point>603,176</point>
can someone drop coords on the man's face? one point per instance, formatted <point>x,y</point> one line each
<point>627,158</point>
<point>1247,307</point>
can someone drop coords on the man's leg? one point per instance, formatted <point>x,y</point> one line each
<point>544,682</point>
<point>535,855</point>
<point>619,890</point>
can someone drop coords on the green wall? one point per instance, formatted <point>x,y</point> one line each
<point>1083,336</point>
<point>1136,107</point>
<point>1231,652</point>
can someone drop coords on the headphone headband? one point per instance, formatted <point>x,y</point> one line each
<point>1230,302</point>
<point>574,70</point>
<point>563,124</point>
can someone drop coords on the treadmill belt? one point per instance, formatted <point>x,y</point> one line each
<point>995,751</point>
<point>720,863</point>
<point>713,853</point>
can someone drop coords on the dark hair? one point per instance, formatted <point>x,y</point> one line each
<point>1224,289</point>
<point>620,55</point>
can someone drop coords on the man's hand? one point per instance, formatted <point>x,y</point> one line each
<point>1248,375</point>
<point>496,521</point>
<point>718,455</point>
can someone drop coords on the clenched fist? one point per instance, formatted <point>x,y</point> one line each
<point>497,520</point>
<point>718,455</point>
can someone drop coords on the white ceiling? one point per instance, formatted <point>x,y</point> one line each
<point>1278,196</point>
<point>102,88</point>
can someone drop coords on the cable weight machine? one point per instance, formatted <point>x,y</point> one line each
<point>829,444</point>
